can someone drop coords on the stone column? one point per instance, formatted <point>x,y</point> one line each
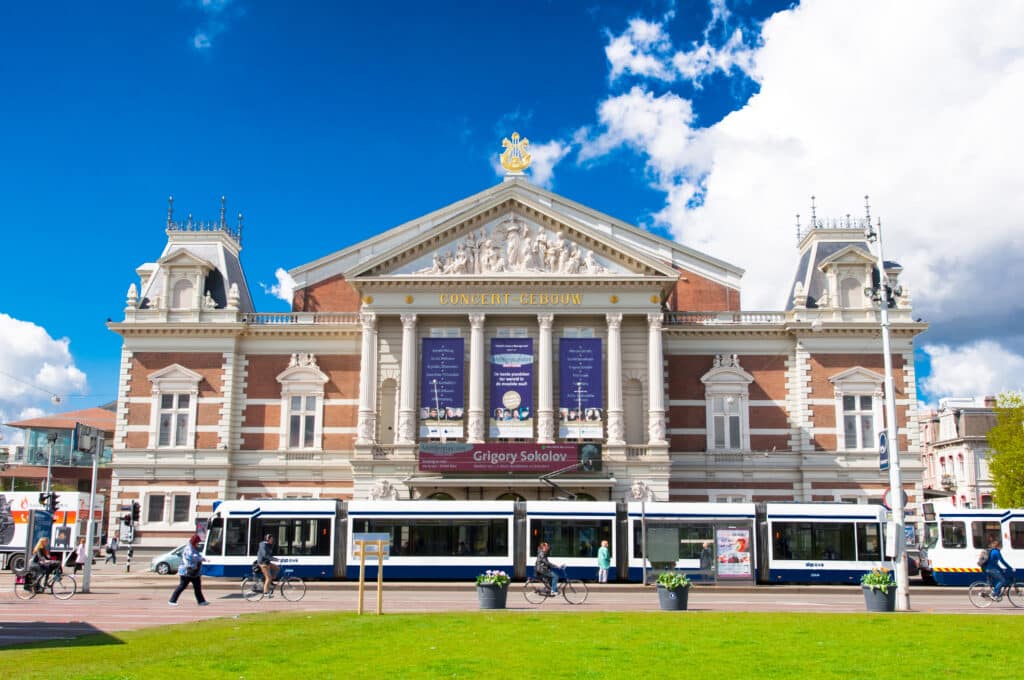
<point>615,425</point>
<point>545,410</point>
<point>655,382</point>
<point>407,397</point>
<point>477,357</point>
<point>366,429</point>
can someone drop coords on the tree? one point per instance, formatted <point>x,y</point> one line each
<point>1006,440</point>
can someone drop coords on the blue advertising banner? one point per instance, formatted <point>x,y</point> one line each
<point>580,407</point>
<point>511,412</point>
<point>442,410</point>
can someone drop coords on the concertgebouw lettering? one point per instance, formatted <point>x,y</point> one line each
<point>505,299</point>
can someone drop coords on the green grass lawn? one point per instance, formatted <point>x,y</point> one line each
<point>630,646</point>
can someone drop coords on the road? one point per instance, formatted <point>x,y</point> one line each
<point>122,602</point>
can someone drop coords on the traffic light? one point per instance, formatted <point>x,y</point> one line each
<point>135,511</point>
<point>127,519</point>
<point>52,506</point>
<point>43,496</point>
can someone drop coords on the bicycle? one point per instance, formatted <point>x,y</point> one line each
<point>291,587</point>
<point>62,586</point>
<point>573,590</point>
<point>980,593</point>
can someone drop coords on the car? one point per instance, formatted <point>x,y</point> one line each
<point>169,562</point>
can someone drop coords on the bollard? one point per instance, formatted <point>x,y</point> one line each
<point>128,564</point>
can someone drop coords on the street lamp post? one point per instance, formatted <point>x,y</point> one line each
<point>51,438</point>
<point>882,295</point>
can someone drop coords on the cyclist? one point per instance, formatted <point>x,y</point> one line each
<point>265,561</point>
<point>42,563</point>
<point>992,570</point>
<point>542,569</point>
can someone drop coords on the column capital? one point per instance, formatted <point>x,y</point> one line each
<point>368,319</point>
<point>408,321</point>
<point>614,320</point>
<point>654,321</point>
<point>476,320</point>
<point>545,321</point>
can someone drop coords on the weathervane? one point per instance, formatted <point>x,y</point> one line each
<point>514,158</point>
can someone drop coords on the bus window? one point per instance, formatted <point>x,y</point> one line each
<point>215,537</point>
<point>953,535</point>
<point>691,537</point>
<point>1017,535</point>
<point>813,541</point>
<point>571,537</point>
<point>440,537</point>
<point>931,535</point>
<point>983,533</point>
<point>237,535</point>
<point>295,536</point>
<point>869,542</point>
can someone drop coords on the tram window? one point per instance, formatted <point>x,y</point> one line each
<point>570,537</point>
<point>953,535</point>
<point>869,542</point>
<point>1017,535</point>
<point>983,533</point>
<point>440,537</point>
<point>295,536</point>
<point>813,541</point>
<point>237,537</point>
<point>931,535</point>
<point>691,537</point>
<point>215,537</point>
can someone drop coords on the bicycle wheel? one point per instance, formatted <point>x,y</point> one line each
<point>574,591</point>
<point>1015,594</point>
<point>980,594</point>
<point>292,588</point>
<point>252,590</point>
<point>21,593</point>
<point>535,592</point>
<point>64,587</point>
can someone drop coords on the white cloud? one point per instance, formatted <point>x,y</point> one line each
<point>201,41</point>
<point>283,289</point>
<point>918,109</point>
<point>33,368</point>
<point>216,21</point>
<point>982,368</point>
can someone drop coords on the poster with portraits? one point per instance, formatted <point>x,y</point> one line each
<point>734,553</point>
<point>511,410</point>
<point>442,406</point>
<point>580,405</point>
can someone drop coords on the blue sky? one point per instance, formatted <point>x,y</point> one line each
<point>711,122</point>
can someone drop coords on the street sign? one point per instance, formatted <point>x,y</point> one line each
<point>370,543</point>
<point>883,452</point>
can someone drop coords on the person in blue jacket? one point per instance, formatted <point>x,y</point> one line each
<point>992,569</point>
<point>190,571</point>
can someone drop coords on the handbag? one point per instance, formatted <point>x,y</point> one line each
<point>193,572</point>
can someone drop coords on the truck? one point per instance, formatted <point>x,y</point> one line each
<point>69,523</point>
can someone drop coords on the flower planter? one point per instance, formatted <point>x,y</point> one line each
<point>877,601</point>
<point>492,596</point>
<point>673,600</point>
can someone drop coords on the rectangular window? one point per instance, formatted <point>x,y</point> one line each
<point>445,333</point>
<point>173,418</point>
<point>301,422</point>
<point>510,333</point>
<point>215,537</point>
<point>954,535</point>
<point>691,536</point>
<point>236,537</point>
<point>155,509</point>
<point>869,541</point>
<point>570,537</point>
<point>441,538</point>
<point>180,512</point>
<point>983,533</point>
<point>294,536</point>
<point>726,419</point>
<point>577,332</point>
<point>858,422</point>
<point>1017,535</point>
<point>819,541</point>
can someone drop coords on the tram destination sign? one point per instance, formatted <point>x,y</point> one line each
<point>506,457</point>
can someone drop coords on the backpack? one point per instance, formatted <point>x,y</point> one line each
<point>983,558</point>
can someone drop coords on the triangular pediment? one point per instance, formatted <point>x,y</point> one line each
<point>175,378</point>
<point>184,259</point>
<point>847,256</point>
<point>515,231</point>
<point>856,379</point>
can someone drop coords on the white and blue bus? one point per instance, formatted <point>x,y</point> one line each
<point>954,538</point>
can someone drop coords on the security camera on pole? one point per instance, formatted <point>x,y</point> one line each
<point>883,295</point>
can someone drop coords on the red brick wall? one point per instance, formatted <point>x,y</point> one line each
<point>694,293</point>
<point>332,295</point>
<point>210,365</point>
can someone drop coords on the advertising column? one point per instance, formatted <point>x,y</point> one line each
<point>580,407</point>
<point>511,409</point>
<point>442,409</point>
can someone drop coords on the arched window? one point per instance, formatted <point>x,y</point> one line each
<point>440,496</point>
<point>181,295</point>
<point>851,294</point>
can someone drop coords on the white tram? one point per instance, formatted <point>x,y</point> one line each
<point>954,538</point>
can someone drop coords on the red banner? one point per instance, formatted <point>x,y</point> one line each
<point>504,457</point>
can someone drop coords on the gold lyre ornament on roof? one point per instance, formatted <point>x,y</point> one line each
<point>514,158</point>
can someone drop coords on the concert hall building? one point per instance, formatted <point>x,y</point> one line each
<point>514,344</point>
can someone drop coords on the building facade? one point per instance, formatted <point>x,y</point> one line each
<point>955,452</point>
<point>514,344</point>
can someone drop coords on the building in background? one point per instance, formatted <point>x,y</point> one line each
<point>511,335</point>
<point>955,452</point>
